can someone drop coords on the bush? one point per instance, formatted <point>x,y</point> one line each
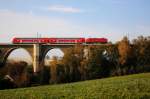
<point>6,83</point>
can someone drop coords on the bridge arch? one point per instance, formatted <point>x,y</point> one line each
<point>55,51</point>
<point>9,51</point>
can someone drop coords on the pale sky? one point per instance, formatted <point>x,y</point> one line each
<point>112,19</point>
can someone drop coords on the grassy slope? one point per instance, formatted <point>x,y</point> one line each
<point>132,86</point>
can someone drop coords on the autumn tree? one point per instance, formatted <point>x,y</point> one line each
<point>125,52</point>
<point>71,61</point>
<point>17,72</point>
<point>53,70</point>
<point>142,50</point>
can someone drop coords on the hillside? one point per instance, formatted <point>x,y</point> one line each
<point>132,86</point>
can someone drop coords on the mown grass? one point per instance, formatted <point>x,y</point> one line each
<point>125,87</point>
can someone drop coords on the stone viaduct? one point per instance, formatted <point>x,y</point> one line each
<point>37,52</point>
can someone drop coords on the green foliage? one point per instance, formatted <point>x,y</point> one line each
<point>126,87</point>
<point>94,62</point>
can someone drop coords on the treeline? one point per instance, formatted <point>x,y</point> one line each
<point>83,63</point>
<point>122,58</point>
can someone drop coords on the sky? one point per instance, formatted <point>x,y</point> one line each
<point>112,19</point>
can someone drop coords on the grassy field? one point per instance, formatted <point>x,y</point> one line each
<point>132,87</point>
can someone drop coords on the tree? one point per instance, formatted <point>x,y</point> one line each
<point>112,56</point>
<point>127,57</point>
<point>17,71</point>
<point>142,46</point>
<point>71,62</point>
<point>95,64</point>
<point>125,52</point>
<point>53,70</point>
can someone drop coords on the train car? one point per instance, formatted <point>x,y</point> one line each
<point>48,40</point>
<point>30,40</point>
<point>15,40</point>
<point>96,40</point>
<point>69,40</point>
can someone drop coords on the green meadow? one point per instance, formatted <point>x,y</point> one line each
<point>135,86</point>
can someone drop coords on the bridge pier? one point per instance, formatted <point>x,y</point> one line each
<point>36,52</point>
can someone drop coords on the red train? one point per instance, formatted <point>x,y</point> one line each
<point>59,40</point>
